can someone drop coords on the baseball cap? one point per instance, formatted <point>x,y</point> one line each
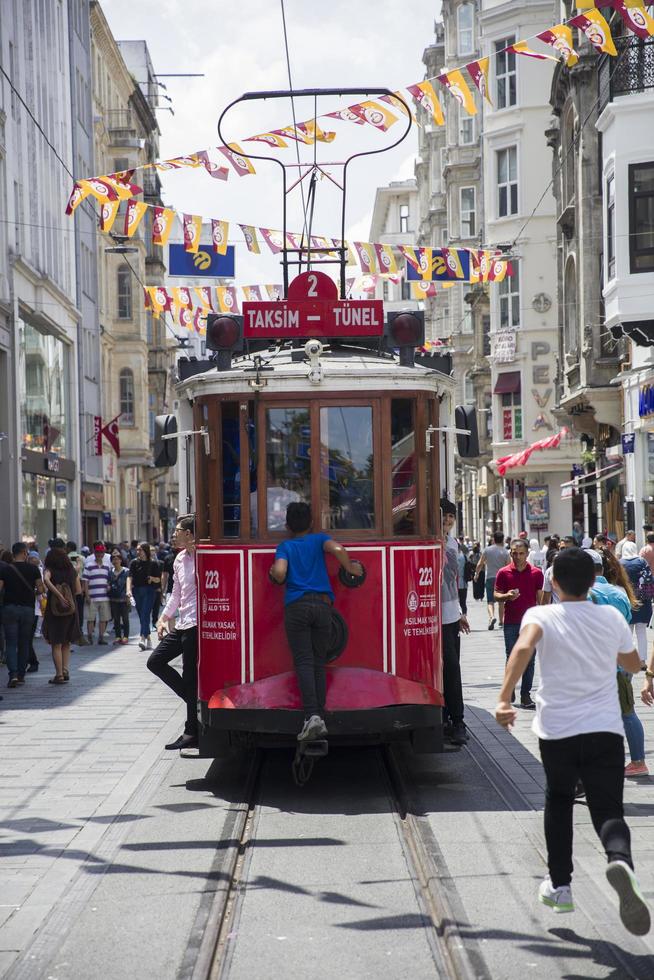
<point>85,550</point>
<point>33,554</point>
<point>99,547</point>
<point>523,534</point>
<point>595,555</point>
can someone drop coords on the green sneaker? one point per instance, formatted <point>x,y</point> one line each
<point>633,910</point>
<point>558,899</point>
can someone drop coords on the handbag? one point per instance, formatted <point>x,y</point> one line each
<point>62,603</point>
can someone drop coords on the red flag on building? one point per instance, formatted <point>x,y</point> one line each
<point>505,463</point>
<point>110,432</point>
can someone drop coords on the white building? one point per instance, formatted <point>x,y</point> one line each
<point>626,123</point>
<point>42,452</point>
<point>394,221</point>
<point>524,335</point>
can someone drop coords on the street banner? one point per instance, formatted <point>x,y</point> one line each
<point>628,443</point>
<point>537,502</point>
<point>204,263</point>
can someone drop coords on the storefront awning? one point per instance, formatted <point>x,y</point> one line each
<point>641,332</point>
<point>507,383</point>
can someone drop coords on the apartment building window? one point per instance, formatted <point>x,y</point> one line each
<point>570,327</point>
<point>124,293</point>
<point>505,74</point>
<point>468,212</point>
<point>641,217</point>
<point>404,217</point>
<point>406,289</point>
<point>485,331</point>
<point>468,390</point>
<point>465,29</point>
<point>126,383</point>
<point>466,128</point>
<point>610,226</point>
<point>509,298</point>
<point>507,181</point>
<point>508,388</point>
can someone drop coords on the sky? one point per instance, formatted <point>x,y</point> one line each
<point>239,47</point>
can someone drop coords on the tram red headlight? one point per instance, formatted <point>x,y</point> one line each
<point>224,332</point>
<point>407,329</point>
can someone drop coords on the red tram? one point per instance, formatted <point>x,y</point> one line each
<point>360,433</point>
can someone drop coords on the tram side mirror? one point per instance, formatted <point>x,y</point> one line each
<point>165,450</point>
<point>225,337</point>
<point>405,330</point>
<point>465,417</point>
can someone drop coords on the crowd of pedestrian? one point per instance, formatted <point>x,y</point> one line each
<point>70,596</point>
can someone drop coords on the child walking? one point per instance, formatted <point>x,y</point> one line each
<point>579,727</point>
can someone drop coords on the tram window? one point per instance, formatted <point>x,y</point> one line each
<point>288,462</point>
<point>347,477</point>
<point>231,456</point>
<point>403,466</point>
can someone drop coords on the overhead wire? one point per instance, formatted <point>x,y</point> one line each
<point>297,144</point>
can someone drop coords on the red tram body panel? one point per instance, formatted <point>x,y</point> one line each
<point>392,657</point>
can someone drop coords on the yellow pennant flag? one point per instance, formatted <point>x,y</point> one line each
<point>108,212</point>
<point>455,82</point>
<point>423,290</point>
<point>192,224</point>
<point>478,71</point>
<point>560,38</point>
<point>596,29</point>
<point>637,19</point>
<point>376,114</point>
<point>159,300</point>
<point>133,216</point>
<point>251,240</point>
<point>385,258</point>
<point>312,130</point>
<point>227,300</point>
<point>77,195</point>
<point>181,300</point>
<point>425,94</point>
<point>219,235</point>
<point>272,139</point>
<point>521,47</point>
<point>367,257</point>
<point>162,225</point>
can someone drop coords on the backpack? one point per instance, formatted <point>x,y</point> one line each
<point>64,606</point>
<point>645,586</point>
<point>116,585</point>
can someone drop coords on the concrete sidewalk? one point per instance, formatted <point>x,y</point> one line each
<point>71,758</point>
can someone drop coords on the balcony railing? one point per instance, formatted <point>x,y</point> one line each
<point>120,120</point>
<point>632,71</point>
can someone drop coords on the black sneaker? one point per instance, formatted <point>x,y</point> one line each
<point>459,734</point>
<point>13,682</point>
<point>527,704</point>
<point>491,625</point>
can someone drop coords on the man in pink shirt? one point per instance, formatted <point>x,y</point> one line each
<point>520,586</point>
<point>182,638</point>
<point>648,551</point>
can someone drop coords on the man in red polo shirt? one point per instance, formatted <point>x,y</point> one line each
<point>520,586</point>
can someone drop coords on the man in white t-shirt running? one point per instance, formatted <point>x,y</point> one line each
<point>579,728</point>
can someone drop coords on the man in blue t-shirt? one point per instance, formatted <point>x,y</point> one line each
<point>300,564</point>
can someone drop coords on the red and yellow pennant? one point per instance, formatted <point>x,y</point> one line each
<point>636,18</point>
<point>250,237</point>
<point>456,85</point>
<point>192,224</point>
<point>133,216</point>
<point>367,257</point>
<point>227,299</point>
<point>108,212</point>
<point>596,30</point>
<point>560,38</point>
<point>375,114</point>
<point>239,162</point>
<point>425,95</point>
<point>385,258</point>
<point>219,235</point>
<point>521,47</point>
<point>478,71</point>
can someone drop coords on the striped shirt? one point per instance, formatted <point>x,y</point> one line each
<point>97,577</point>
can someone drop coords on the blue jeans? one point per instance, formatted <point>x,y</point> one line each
<point>511,633</point>
<point>144,599</point>
<point>18,623</point>
<point>633,729</point>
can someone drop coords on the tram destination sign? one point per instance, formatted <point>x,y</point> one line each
<point>313,309</point>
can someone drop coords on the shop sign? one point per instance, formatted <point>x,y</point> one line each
<point>92,500</point>
<point>646,401</point>
<point>628,440</point>
<point>221,614</point>
<point>106,518</point>
<point>52,463</point>
<point>537,501</point>
<point>504,349</point>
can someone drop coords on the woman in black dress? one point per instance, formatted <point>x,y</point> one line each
<point>60,631</point>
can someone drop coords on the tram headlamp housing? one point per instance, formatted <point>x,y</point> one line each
<point>405,330</point>
<point>225,336</point>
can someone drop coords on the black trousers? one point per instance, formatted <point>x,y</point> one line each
<point>182,643</point>
<point>156,608</point>
<point>308,625</point>
<point>597,759</point>
<point>452,688</point>
<point>463,600</point>
<point>120,616</point>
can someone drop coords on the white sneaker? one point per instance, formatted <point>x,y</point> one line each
<point>558,899</point>
<point>148,643</point>
<point>633,910</point>
<point>314,728</point>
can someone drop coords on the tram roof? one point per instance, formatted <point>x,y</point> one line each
<point>343,367</point>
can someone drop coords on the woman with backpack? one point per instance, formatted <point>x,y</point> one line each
<point>118,597</point>
<point>60,621</point>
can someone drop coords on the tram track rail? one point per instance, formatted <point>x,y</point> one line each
<point>455,956</point>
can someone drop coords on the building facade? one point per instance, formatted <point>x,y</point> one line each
<point>520,217</point>
<point>626,111</point>
<point>394,221</point>
<point>43,456</point>
<point>449,175</point>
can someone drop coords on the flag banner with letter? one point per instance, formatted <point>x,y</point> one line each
<point>560,38</point>
<point>162,225</point>
<point>77,195</point>
<point>192,225</point>
<point>219,235</point>
<point>636,18</point>
<point>133,215</point>
<point>377,115</point>
<point>385,258</point>
<point>455,83</point>
<point>367,257</point>
<point>108,212</point>
<point>596,30</point>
